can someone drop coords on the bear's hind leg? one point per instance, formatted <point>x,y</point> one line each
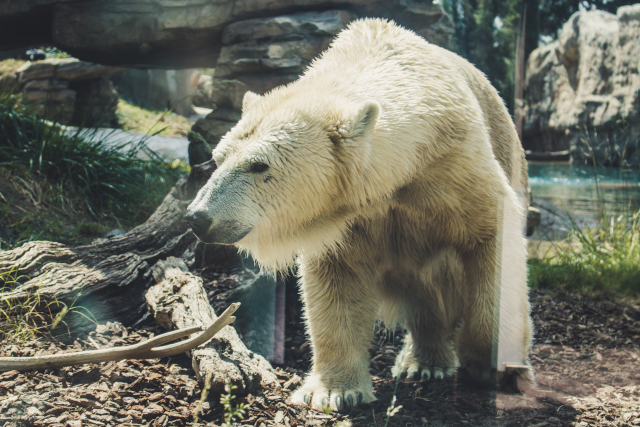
<point>430,356</point>
<point>432,314</point>
<point>497,327</point>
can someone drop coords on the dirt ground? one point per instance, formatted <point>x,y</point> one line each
<point>586,356</point>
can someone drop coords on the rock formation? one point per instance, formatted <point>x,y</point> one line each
<point>158,89</point>
<point>173,34</point>
<point>582,92</point>
<point>67,90</point>
<point>253,44</point>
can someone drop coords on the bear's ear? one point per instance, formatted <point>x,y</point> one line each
<point>362,120</point>
<point>249,99</point>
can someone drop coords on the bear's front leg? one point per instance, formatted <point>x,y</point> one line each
<point>340,308</point>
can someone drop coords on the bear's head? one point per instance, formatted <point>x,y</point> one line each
<point>286,175</point>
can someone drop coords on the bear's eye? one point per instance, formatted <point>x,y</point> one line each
<point>258,167</point>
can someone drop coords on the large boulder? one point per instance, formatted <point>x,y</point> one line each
<point>167,33</point>
<point>582,92</point>
<point>68,91</point>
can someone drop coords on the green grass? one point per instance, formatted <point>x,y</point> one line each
<point>111,182</point>
<point>602,261</point>
<point>138,119</point>
<point>27,318</point>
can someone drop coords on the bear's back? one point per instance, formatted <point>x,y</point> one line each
<point>375,56</point>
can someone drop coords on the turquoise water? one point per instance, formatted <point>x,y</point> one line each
<point>582,190</point>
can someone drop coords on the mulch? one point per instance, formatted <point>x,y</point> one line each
<point>586,356</point>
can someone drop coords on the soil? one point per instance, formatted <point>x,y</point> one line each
<point>586,357</point>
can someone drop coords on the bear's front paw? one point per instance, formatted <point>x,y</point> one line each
<point>340,397</point>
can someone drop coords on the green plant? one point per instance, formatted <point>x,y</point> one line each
<point>54,52</point>
<point>203,397</point>
<point>393,409</point>
<point>111,179</point>
<point>598,261</point>
<point>24,318</point>
<point>231,412</point>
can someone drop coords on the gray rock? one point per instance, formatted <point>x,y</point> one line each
<point>212,129</point>
<point>178,34</point>
<point>417,14</point>
<point>96,103</point>
<point>327,23</point>
<point>202,95</point>
<point>269,56</point>
<point>113,233</point>
<point>439,33</point>
<point>199,150</point>
<point>69,91</point>
<point>70,69</point>
<point>225,114</point>
<point>582,93</point>
<point>51,98</point>
<point>158,89</point>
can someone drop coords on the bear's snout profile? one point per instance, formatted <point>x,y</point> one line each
<point>221,231</point>
<point>199,223</point>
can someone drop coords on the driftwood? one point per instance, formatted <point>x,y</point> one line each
<point>144,350</point>
<point>180,301</point>
<point>109,278</point>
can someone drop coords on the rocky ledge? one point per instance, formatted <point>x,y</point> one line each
<point>582,92</point>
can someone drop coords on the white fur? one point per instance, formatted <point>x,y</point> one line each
<point>392,180</point>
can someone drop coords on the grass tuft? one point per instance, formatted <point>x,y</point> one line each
<point>138,119</point>
<point>600,261</point>
<point>111,181</point>
<point>27,318</point>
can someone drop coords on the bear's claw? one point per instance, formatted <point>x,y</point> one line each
<point>436,365</point>
<point>426,373</point>
<point>315,395</point>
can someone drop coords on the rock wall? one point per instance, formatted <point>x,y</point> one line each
<point>168,33</point>
<point>253,44</point>
<point>582,92</point>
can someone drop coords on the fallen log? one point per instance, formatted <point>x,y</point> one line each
<point>179,301</point>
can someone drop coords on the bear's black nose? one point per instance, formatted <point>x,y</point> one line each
<point>198,222</point>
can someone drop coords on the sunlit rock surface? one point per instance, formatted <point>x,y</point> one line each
<point>582,92</point>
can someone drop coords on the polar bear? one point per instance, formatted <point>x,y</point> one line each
<point>392,175</point>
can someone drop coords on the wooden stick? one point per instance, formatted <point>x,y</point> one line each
<point>144,350</point>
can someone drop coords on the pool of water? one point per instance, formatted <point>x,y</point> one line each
<point>583,190</point>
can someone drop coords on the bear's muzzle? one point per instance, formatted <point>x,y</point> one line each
<point>209,231</point>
